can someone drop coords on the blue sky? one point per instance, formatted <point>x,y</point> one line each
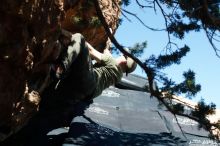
<point>201,59</point>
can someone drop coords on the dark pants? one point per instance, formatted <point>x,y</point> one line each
<point>77,62</point>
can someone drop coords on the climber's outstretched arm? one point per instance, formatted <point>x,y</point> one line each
<point>96,55</point>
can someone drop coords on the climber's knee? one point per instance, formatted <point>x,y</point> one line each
<point>77,38</point>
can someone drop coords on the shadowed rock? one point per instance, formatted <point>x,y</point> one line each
<point>29,30</point>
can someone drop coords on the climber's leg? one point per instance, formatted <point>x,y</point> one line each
<point>70,53</point>
<point>74,48</point>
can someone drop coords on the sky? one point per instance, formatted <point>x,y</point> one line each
<point>201,59</point>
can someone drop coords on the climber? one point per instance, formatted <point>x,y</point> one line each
<point>75,63</point>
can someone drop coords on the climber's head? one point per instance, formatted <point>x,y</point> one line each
<point>130,65</point>
<point>126,63</point>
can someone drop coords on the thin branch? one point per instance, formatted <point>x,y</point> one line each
<point>175,8</point>
<point>214,35</point>
<point>211,42</point>
<point>125,16</point>
<point>121,11</point>
<point>134,15</point>
<point>166,23</point>
<point>142,6</point>
<point>155,10</point>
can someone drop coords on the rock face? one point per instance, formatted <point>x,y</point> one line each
<point>29,30</point>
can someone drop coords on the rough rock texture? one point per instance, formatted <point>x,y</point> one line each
<point>28,45</point>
